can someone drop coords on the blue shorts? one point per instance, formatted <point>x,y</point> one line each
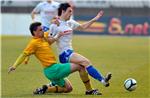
<point>45,28</point>
<point>65,56</point>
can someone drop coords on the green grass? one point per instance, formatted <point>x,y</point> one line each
<point>123,56</point>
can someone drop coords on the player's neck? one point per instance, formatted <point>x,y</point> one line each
<point>63,18</point>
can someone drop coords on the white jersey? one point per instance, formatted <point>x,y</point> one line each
<point>47,11</point>
<point>65,42</point>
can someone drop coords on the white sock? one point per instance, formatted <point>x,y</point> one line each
<point>103,82</point>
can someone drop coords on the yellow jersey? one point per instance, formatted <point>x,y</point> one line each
<point>42,50</point>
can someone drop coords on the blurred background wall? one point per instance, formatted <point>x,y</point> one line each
<point>121,17</point>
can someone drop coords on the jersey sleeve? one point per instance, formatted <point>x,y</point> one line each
<point>30,49</point>
<point>53,30</point>
<point>37,9</point>
<point>73,24</point>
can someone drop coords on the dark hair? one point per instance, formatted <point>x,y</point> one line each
<point>63,7</point>
<point>33,27</point>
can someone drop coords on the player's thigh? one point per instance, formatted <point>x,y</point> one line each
<point>57,71</point>
<point>64,70</point>
<point>78,59</point>
<point>75,67</point>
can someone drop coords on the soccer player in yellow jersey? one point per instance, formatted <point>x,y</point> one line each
<point>55,72</point>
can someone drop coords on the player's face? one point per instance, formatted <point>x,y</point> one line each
<point>68,13</point>
<point>39,32</point>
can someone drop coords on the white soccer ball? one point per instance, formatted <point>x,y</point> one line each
<point>130,84</point>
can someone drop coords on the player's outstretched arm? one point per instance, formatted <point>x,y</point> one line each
<point>89,23</point>
<point>19,60</point>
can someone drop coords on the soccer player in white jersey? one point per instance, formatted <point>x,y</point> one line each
<point>47,10</point>
<point>64,44</point>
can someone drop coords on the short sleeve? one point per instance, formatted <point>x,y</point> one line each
<point>73,24</point>
<point>30,49</point>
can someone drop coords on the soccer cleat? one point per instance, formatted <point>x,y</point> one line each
<point>107,78</point>
<point>93,92</point>
<point>41,90</point>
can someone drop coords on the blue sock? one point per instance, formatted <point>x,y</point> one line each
<point>94,73</point>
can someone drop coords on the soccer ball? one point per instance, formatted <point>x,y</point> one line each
<point>130,84</point>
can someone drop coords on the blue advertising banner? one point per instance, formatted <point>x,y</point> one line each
<point>117,25</point>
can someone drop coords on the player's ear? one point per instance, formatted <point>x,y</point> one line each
<point>63,11</point>
<point>34,33</point>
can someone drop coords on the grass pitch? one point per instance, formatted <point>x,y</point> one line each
<point>123,56</point>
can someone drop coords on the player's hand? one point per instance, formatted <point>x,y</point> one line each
<point>55,21</point>
<point>99,15</point>
<point>10,69</point>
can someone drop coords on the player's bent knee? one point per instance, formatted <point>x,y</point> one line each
<point>86,62</point>
<point>69,89</point>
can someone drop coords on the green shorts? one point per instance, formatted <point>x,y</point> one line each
<point>57,72</point>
